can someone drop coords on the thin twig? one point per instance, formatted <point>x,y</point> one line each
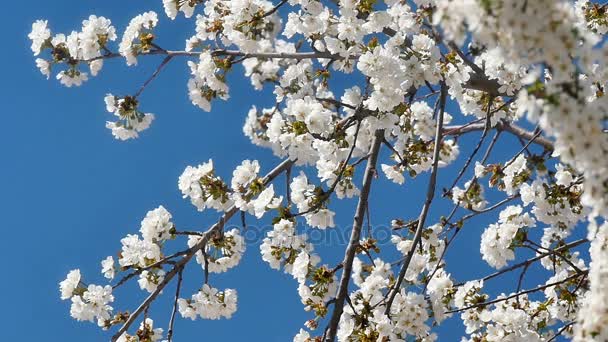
<point>159,263</point>
<point>536,289</point>
<point>154,75</point>
<point>172,320</point>
<point>561,331</point>
<point>486,129</point>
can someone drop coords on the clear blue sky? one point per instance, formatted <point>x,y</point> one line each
<point>69,191</point>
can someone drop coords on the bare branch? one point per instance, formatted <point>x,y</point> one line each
<point>561,331</point>
<point>154,75</point>
<point>172,320</point>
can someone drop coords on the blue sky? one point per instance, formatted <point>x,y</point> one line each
<point>69,191</point>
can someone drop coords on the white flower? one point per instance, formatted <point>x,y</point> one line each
<point>302,336</point>
<point>516,168</point>
<point>471,197</point>
<point>205,84</point>
<point>72,77</point>
<point>171,8</point>
<point>129,124</point>
<point>95,66</point>
<point>39,35</point>
<point>394,173</point>
<point>70,284</point>
<point>281,244</point>
<point>410,312</point>
<point>201,186</point>
<point>44,66</point>
<point>319,122</point>
<point>209,303</point>
<point>563,176</point>
<point>95,30</point>
<point>591,319</point>
<point>120,132</point>
<point>496,240</point>
<point>244,174</point>
<point>300,266</point>
<point>146,328</point>
<point>322,218</point>
<point>265,201</point>
<point>110,101</point>
<point>137,25</point>
<point>345,327</point>
<point>93,304</point>
<point>107,267</point>
<point>157,225</point>
<point>480,170</point>
<point>136,252</point>
<point>149,279</point>
<point>223,253</point>
<point>301,191</point>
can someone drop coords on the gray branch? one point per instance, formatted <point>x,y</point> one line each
<point>349,255</point>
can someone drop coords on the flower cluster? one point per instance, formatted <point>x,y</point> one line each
<point>84,47</point>
<point>207,82</point>
<point>138,37</point>
<point>362,83</point>
<point>89,303</point>
<point>204,188</point>
<point>499,240</point>
<point>146,332</point>
<point>471,197</point>
<point>284,248</point>
<point>209,303</point>
<point>221,253</point>
<point>130,120</point>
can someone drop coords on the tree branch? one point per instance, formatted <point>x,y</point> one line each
<point>427,203</point>
<point>536,289</point>
<point>154,75</point>
<point>349,255</point>
<point>502,126</point>
<point>174,311</point>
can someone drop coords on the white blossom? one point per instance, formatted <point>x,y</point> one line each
<point>70,284</point>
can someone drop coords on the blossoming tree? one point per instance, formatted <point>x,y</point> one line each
<point>534,70</point>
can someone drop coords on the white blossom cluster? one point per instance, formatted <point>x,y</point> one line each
<point>137,37</point>
<point>130,120</point>
<point>89,303</point>
<point>499,240</point>
<point>283,247</point>
<point>304,196</point>
<point>205,83</point>
<point>494,62</point>
<point>203,188</point>
<point>408,314</point>
<point>472,196</point>
<point>84,47</point>
<point>206,190</point>
<point>146,332</point>
<point>221,254</point>
<point>209,303</point>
